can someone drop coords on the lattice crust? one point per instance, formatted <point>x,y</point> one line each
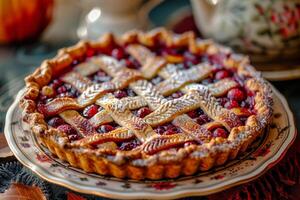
<point>158,155</point>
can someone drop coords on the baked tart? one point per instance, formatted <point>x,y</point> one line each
<point>146,105</point>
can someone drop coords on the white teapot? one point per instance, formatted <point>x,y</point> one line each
<point>266,29</point>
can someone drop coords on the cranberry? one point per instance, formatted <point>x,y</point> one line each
<point>73,137</point>
<point>90,111</point>
<point>222,74</point>
<point>61,89</point>
<point>56,121</point>
<point>231,104</point>
<point>129,64</point>
<point>186,144</point>
<point>66,128</point>
<point>193,114</point>
<point>202,119</point>
<point>160,130</point>
<point>177,95</point>
<point>120,94</point>
<point>43,97</point>
<point>142,112</point>
<point>105,128</point>
<point>236,94</point>
<point>118,53</point>
<point>223,100</point>
<point>90,53</point>
<point>171,129</point>
<point>132,63</point>
<point>127,146</point>
<point>41,108</point>
<point>220,132</point>
<point>216,59</point>
<point>56,83</point>
<point>168,51</point>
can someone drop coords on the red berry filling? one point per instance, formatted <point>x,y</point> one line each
<point>175,95</point>
<point>231,104</point>
<point>171,51</point>
<point>195,113</point>
<point>124,93</point>
<point>90,52</point>
<point>186,144</point>
<point>127,146</point>
<point>143,112</point>
<point>236,94</point>
<point>220,132</point>
<point>203,119</point>
<point>105,128</point>
<point>66,90</point>
<point>131,63</point>
<point>120,94</point>
<point>55,122</point>
<point>222,74</point>
<point>118,53</point>
<point>66,128</point>
<point>70,131</point>
<point>167,129</point>
<point>90,111</point>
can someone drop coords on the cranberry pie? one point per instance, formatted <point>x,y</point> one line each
<point>146,105</point>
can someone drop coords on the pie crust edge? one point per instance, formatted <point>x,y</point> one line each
<point>136,165</point>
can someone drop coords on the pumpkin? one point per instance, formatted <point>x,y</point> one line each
<point>22,20</point>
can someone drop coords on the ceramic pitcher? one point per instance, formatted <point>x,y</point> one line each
<point>267,29</point>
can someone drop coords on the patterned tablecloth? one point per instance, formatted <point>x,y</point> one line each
<point>280,182</point>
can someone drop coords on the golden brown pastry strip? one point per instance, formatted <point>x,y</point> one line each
<point>125,118</point>
<point>82,125</point>
<point>117,135</point>
<point>58,105</point>
<point>86,69</point>
<point>190,127</point>
<point>172,108</point>
<point>216,89</point>
<point>80,82</point>
<point>150,63</point>
<point>182,77</point>
<point>163,142</point>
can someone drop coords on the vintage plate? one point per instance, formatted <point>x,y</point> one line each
<point>265,153</point>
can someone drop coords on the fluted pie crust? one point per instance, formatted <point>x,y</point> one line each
<point>155,158</point>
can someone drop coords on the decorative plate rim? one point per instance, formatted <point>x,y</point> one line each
<point>248,176</point>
